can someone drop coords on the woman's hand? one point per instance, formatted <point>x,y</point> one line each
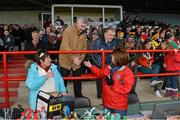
<point>49,74</point>
<point>164,65</point>
<point>87,64</point>
<point>133,63</point>
<point>175,50</point>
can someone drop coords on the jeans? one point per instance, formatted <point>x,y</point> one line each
<point>172,82</point>
<point>155,70</point>
<point>121,112</point>
<point>76,83</point>
<point>99,87</point>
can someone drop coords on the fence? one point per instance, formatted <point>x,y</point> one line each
<point>83,77</point>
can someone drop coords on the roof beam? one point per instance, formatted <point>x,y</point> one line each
<point>39,3</point>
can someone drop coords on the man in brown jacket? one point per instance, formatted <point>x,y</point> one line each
<point>74,38</point>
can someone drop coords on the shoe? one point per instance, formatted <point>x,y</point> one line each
<point>154,82</point>
<point>168,93</point>
<point>163,91</point>
<point>99,96</point>
<point>173,93</point>
<point>157,93</point>
<point>79,95</point>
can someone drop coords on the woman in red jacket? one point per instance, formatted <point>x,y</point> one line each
<point>171,64</point>
<point>146,66</point>
<point>117,83</point>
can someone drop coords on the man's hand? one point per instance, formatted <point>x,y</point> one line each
<point>49,74</point>
<point>87,64</point>
<point>64,94</point>
<point>77,60</point>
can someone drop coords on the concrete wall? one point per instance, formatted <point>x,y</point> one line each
<point>28,17</point>
<point>173,19</point>
<point>20,17</point>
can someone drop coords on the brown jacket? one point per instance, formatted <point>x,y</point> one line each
<point>72,40</point>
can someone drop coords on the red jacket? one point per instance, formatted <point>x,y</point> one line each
<point>116,96</point>
<point>172,61</point>
<point>145,61</point>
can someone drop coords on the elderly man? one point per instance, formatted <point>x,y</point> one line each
<point>74,38</point>
<point>104,42</point>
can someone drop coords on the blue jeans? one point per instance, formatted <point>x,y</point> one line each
<point>155,70</point>
<point>172,82</point>
<point>121,112</point>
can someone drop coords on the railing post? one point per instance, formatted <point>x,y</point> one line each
<point>103,80</point>
<point>6,93</point>
<point>103,59</point>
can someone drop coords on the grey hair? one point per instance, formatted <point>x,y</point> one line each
<point>82,19</point>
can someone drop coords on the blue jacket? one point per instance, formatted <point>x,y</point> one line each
<point>34,82</point>
<point>100,44</point>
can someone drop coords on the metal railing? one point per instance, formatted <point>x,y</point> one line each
<point>103,52</point>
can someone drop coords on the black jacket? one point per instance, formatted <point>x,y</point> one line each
<point>30,47</point>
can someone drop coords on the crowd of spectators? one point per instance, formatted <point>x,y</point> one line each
<point>131,34</point>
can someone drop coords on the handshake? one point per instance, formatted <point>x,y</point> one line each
<point>87,64</point>
<point>77,60</point>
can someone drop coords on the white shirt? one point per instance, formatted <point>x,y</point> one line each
<point>49,85</point>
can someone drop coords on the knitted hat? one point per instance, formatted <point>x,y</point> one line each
<point>132,33</point>
<point>155,35</point>
<point>144,36</point>
<point>52,37</point>
<point>94,33</point>
<point>147,41</point>
<point>130,40</point>
<point>168,35</point>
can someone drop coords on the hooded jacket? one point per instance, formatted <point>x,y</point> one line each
<point>116,96</point>
<point>34,83</point>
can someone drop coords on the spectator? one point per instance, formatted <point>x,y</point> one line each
<point>93,37</point>
<point>120,38</point>
<point>171,64</point>
<point>119,80</point>
<point>53,45</point>
<point>74,38</point>
<point>41,34</point>
<point>1,31</point>
<point>130,44</point>
<point>43,75</point>
<point>100,30</point>
<point>138,33</point>
<point>104,42</point>
<point>47,23</point>
<point>127,31</point>
<point>59,21</point>
<point>1,44</point>
<point>26,34</point>
<point>155,40</point>
<point>159,59</point>
<point>8,41</point>
<point>45,37</point>
<point>32,28</point>
<point>53,29</point>
<point>34,45</point>
<point>17,33</point>
<point>146,66</point>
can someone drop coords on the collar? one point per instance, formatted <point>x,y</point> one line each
<point>76,30</point>
<point>117,68</point>
<point>46,69</point>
